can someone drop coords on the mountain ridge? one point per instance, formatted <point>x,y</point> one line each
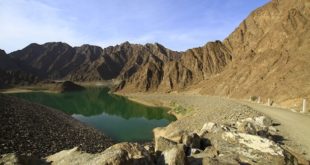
<point>263,56</point>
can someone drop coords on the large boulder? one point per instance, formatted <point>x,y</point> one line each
<point>246,127</point>
<point>163,144</point>
<point>263,121</point>
<point>243,142</point>
<point>191,140</point>
<point>118,154</point>
<point>253,149</point>
<point>209,127</point>
<point>173,156</point>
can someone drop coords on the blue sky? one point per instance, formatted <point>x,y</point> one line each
<point>177,24</point>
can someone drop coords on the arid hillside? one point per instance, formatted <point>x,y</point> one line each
<point>266,56</point>
<point>270,56</point>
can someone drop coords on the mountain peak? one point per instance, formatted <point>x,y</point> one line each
<point>2,52</point>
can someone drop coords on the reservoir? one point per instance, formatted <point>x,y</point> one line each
<point>115,116</point>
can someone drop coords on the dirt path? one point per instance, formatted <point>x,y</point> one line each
<point>293,125</point>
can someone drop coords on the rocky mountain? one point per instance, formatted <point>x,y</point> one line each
<point>270,55</point>
<point>56,60</point>
<point>190,67</point>
<point>266,56</point>
<point>13,73</point>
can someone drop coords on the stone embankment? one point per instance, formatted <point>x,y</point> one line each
<point>30,129</point>
<point>248,141</point>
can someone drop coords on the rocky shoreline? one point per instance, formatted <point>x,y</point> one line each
<point>248,141</point>
<point>223,132</point>
<point>35,130</point>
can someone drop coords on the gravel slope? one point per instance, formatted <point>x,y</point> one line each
<point>32,129</point>
<point>293,126</point>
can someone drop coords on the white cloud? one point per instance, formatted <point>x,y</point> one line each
<point>26,21</point>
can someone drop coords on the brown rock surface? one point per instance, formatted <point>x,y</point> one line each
<point>266,56</point>
<point>270,55</point>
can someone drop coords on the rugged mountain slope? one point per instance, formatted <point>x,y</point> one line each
<point>188,68</point>
<point>56,60</point>
<point>7,63</point>
<point>122,61</point>
<point>13,73</point>
<point>271,55</point>
<point>267,56</point>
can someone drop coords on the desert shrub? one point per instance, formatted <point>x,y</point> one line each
<point>253,98</point>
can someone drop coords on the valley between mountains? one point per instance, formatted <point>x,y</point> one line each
<point>237,101</point>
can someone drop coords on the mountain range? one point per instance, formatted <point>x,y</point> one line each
<point>266,56</point>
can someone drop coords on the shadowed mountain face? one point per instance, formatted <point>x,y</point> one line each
<point>147,67</point>
<point>90,63</point>
<point>265,56</point>
<point>13,73</point>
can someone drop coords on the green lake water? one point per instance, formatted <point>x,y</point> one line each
<point>115,116</point>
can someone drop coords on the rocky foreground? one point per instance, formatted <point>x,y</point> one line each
<point>233,135</point>
<point>30,129</point>
<point>248,141</point>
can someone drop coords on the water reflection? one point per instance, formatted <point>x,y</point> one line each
<point>116,116</point>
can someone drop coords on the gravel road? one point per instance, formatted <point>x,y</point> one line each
<point>294,127</point>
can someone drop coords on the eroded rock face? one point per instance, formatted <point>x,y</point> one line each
<point>190,67</point>
<point>266,46</point>
<point>56,60</point>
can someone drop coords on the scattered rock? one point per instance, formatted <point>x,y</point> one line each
<point>225,144</point>
<point>220,144</point>
<point>8,159</point>
<point>272,130</point>
<point>263,121</point>
<point>195,151</point>
<point>162,144</point>
<point>176,135</point>
<point>191,140</point>
<point>208,127</point>
<point>246,127</point>
<point>29,128</point>
<point>174,156</point>
<point>12,159</point>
